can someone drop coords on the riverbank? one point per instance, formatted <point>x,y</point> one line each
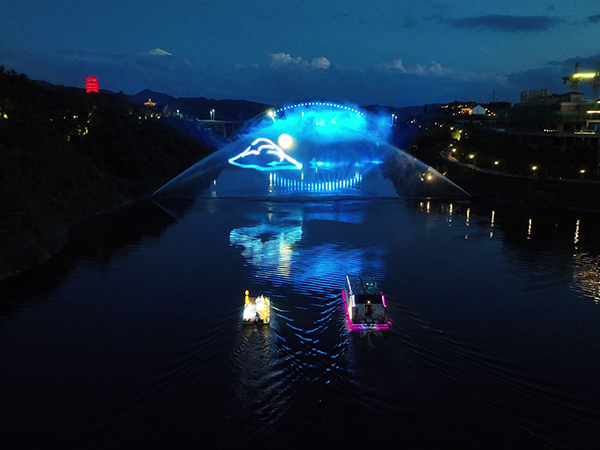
<point>535,192</point>
<point>66,155</point>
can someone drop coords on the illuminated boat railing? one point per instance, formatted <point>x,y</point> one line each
<point>363,326</point>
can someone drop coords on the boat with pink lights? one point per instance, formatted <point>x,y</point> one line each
<point>257,310</point>
<point>364,303</point>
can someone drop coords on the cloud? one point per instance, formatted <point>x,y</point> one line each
<point>320,63</point>
<point>594,19</point>
<point>434,68</point>
<point>512,24</point>
<point>285,59</point>
<point>398,65</point>
<point>277,60</point>
<point>395,83</point>
<point>159,52</point>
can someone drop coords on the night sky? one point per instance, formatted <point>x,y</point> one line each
<point>387,52</point>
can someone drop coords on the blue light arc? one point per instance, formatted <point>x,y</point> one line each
<point>334,149</point>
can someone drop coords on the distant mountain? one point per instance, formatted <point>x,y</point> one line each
<point>201,107</point>
<point>242,110</point>
<point>142,97</point>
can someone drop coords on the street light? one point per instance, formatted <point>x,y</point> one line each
<point>212,114</point>
<point>534,168</point>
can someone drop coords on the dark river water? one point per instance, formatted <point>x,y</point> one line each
<point>131,338</point>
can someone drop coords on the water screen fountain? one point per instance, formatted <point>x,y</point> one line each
<point>311,150</point>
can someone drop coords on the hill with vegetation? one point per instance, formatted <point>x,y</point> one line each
<point>198,108</point>
<point>66,154</point>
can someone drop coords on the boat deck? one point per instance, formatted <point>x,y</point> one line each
<point>256,310</point>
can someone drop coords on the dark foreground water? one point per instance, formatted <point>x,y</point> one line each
<point>131,338</point>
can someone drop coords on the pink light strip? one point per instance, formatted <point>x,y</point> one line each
<point>361,326</point>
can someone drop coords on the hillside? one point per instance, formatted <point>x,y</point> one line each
<point>65,155</point>
<point>199,107</point>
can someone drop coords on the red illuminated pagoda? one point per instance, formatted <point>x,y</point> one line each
<point>91,84</point>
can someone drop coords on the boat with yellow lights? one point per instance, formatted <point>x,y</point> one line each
<point>257,310</point>
<point>364,304</point>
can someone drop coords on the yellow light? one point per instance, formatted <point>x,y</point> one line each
<point>285,141</point>
<point>593,112</point>
<point>471,156</point>
<point>533,167</point>
<point>584,75</point>
<point>496,162</point>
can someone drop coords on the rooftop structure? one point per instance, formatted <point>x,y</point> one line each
<point>592,78</point>
<point>91,84</point>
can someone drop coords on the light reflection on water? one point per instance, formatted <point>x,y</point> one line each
<point>586,275</point>
<point>494,340</point>
<point>273,247</point>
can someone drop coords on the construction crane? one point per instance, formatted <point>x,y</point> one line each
<point>584,77</point>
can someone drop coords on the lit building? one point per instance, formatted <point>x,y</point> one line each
<point>91,84</point>
<point>560,119</point>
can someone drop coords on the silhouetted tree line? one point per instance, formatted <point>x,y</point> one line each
<point>66,154</point>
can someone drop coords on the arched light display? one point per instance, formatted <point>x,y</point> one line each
<point>312,149</point>
<point>281,111</point>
